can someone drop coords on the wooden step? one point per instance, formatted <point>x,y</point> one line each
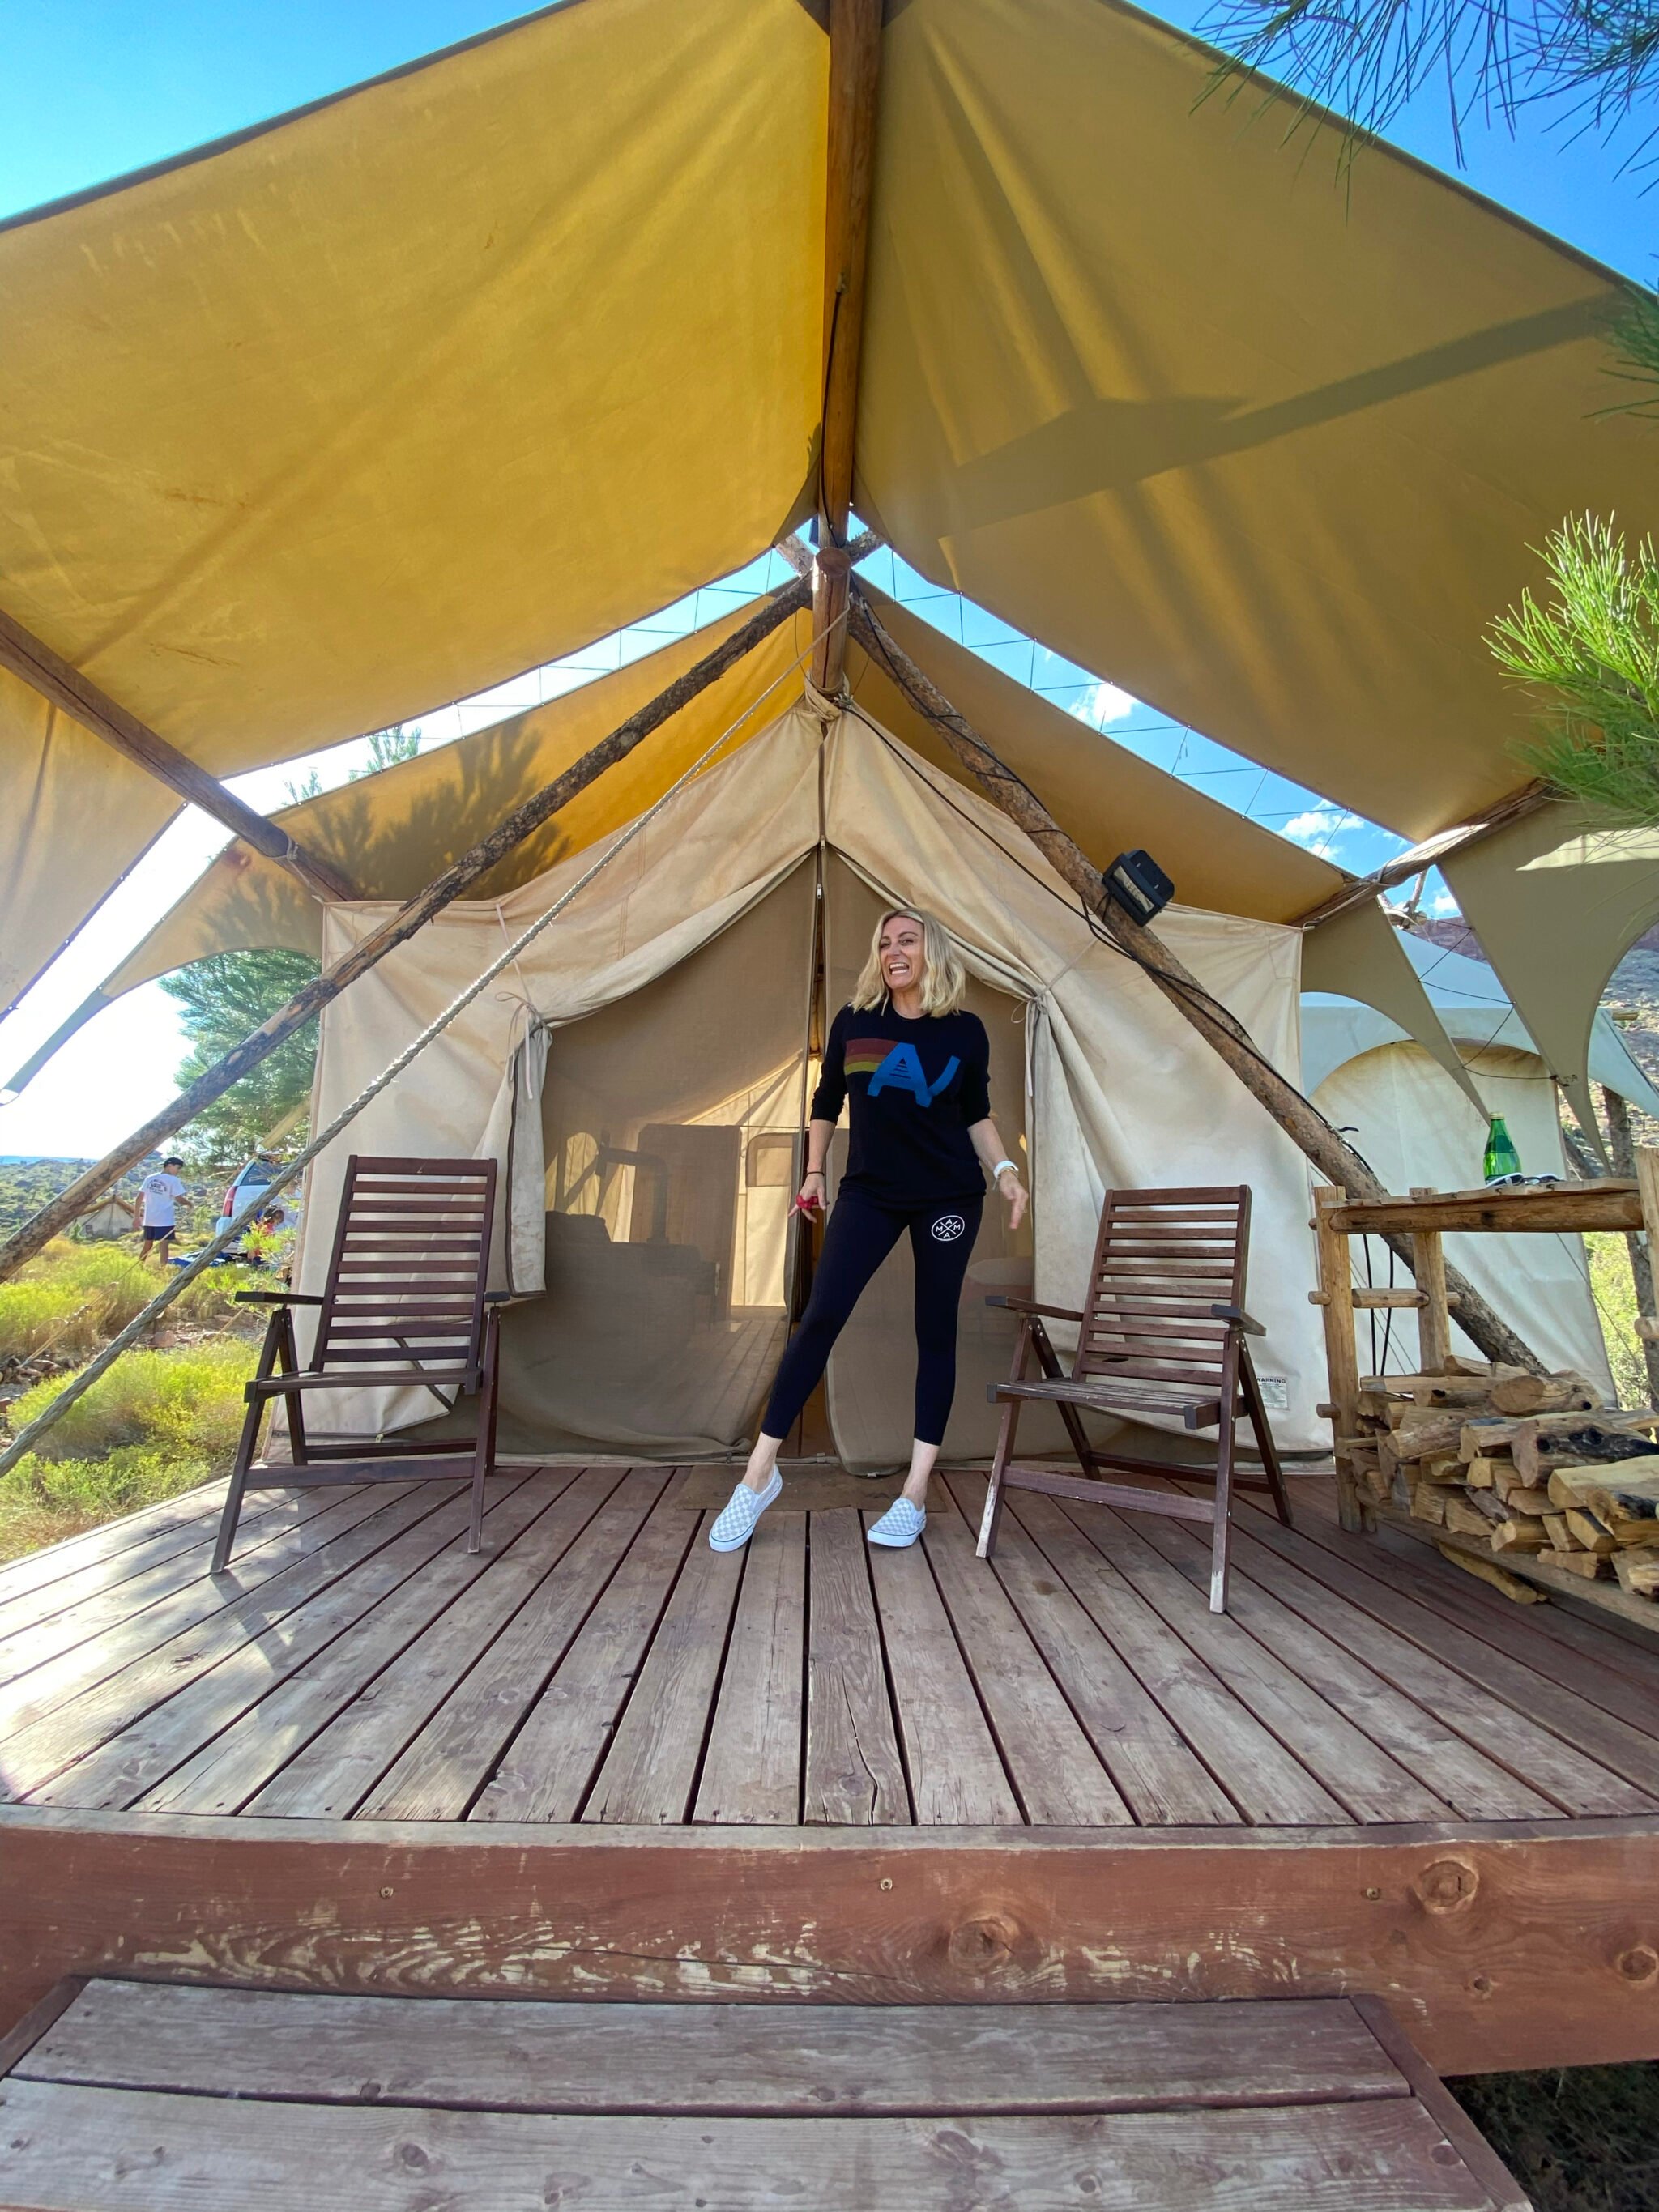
<point>149,2097</point>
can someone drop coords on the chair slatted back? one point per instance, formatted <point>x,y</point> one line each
<point>1163,1259</point>
<point>407,1278</point>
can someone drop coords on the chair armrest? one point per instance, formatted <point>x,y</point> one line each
<point>500,1298</point>
<point>1239,1319</point>
<point>1031,1306</point>
<point>276,1298</point>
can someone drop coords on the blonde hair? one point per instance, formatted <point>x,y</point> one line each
<point>944,978</point>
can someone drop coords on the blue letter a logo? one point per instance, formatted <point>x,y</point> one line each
<point>902,1071</point>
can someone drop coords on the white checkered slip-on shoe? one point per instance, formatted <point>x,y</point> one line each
<point>899,1526</point>
<point>736,1524</point>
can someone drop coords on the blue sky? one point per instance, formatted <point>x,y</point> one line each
<point>93,87</point>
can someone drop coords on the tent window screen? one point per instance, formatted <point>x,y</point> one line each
<point>871,1378</point>
<point>670,1123</point>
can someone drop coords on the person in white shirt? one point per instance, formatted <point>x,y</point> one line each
<point>153,1215</point>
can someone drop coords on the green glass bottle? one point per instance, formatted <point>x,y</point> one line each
<point>1501,1158</point>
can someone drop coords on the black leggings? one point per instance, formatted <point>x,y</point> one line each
<point>857,1238</point>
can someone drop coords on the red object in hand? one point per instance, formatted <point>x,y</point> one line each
<point>805,1205</point>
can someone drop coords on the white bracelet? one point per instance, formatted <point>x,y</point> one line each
<point>997,1170</point>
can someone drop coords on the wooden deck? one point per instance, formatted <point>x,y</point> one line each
<point>599,1663</point>
<point>598,1759</point>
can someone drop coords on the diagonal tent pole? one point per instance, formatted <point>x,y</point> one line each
<point>789,600</point>
<point>77,696</point>
<point>1302,1122</point>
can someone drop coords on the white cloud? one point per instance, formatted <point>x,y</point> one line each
<point>1319,825</point>
<point>1103,703</point>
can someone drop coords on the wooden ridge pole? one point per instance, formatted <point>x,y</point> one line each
<point>1306,1128</point>
<point>854,72</point>
<point>791,598</point>
<point>76,696</point>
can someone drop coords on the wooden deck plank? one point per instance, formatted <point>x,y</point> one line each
<point>751,1770</point>
<point>304,1697</point>
<point>339,1767</point>
<point>1260,1777</point>
<point>855,1775</point>
<point>74,2149</point>
<point>651,1769</point>
<point>505,2055</point>
<point>450,1760</point>
<point>1566,1649</point>
<point>1160,1776</point>
<point>106,1748</point>
<point>100,1611</point>
<point>1490,1706</point>
<point>1358,1774</point>
<point>212,1615</point>
<point>1464,1778</point>
<point>1047,1756</point>
<point>955,1771</point>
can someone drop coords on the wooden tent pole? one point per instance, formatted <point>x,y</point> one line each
<point>76,696</point>
<point>855,71</point>
<point>1307,1129</point>
<point>791,598</point>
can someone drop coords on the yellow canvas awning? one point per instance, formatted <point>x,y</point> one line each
<point>1264,443</point>
<point>365,411</point>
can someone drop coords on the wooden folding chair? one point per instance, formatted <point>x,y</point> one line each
<point>1166,1332</point>
<point>404,1304</point>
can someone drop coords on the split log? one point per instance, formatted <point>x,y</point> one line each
<point>1460,1514</point>
<point>1589,1532</point>
<point>1441,1467</point>
<point>1539,1448</point>
<point>1480,1473</point>
<point>1519,1534</point>
<point>1302,1122</point>
<point>1423,1436</point>
<point>1534,1502</point>
<point>1429,1504</point>
<point>1486,1570</point>
<point>1560,1534</point>
<point>1541,1394</point>
<point>1587,1564</point>
<point>447,888</point>
<point>1638,1571</point>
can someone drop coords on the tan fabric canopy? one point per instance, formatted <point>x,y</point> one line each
<point>433,383</point>
<point>1265,444</point>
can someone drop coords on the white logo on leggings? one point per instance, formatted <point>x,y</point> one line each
<point>948,1228</point>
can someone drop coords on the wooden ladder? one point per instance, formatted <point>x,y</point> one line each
<point>148,2097</point>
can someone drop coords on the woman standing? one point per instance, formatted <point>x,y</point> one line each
<point>915,1068</point>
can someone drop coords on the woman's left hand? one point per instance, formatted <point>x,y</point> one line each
<point>1014,1191</point>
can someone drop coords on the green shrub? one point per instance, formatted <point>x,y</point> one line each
<point>1615,1304</point>
<point>158,1423</point>
<point>75,1297</point>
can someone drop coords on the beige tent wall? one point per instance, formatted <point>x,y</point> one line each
<point>1124,1091</point>
<point>1413,1125</point>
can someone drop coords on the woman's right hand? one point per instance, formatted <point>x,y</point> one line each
<point>810,1196</point>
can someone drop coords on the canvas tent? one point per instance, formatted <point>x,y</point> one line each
<point>1371,1078</point>
<point>643,1078</point>
<point>373,407</point>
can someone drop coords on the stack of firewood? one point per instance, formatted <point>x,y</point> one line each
<point>1524,1465</point>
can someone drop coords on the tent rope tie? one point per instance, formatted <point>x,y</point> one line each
<point>29,1435</point>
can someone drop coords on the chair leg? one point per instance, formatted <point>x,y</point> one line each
<point>484,1455</point>
<point>991,1519</point>
<point>1257,1411</point>
<point>247,1444</point>
<point>1222,1532</point>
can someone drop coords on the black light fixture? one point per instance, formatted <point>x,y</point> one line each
<point>1137,883</point>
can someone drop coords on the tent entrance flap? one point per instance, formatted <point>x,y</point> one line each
<point>670,1121</point>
